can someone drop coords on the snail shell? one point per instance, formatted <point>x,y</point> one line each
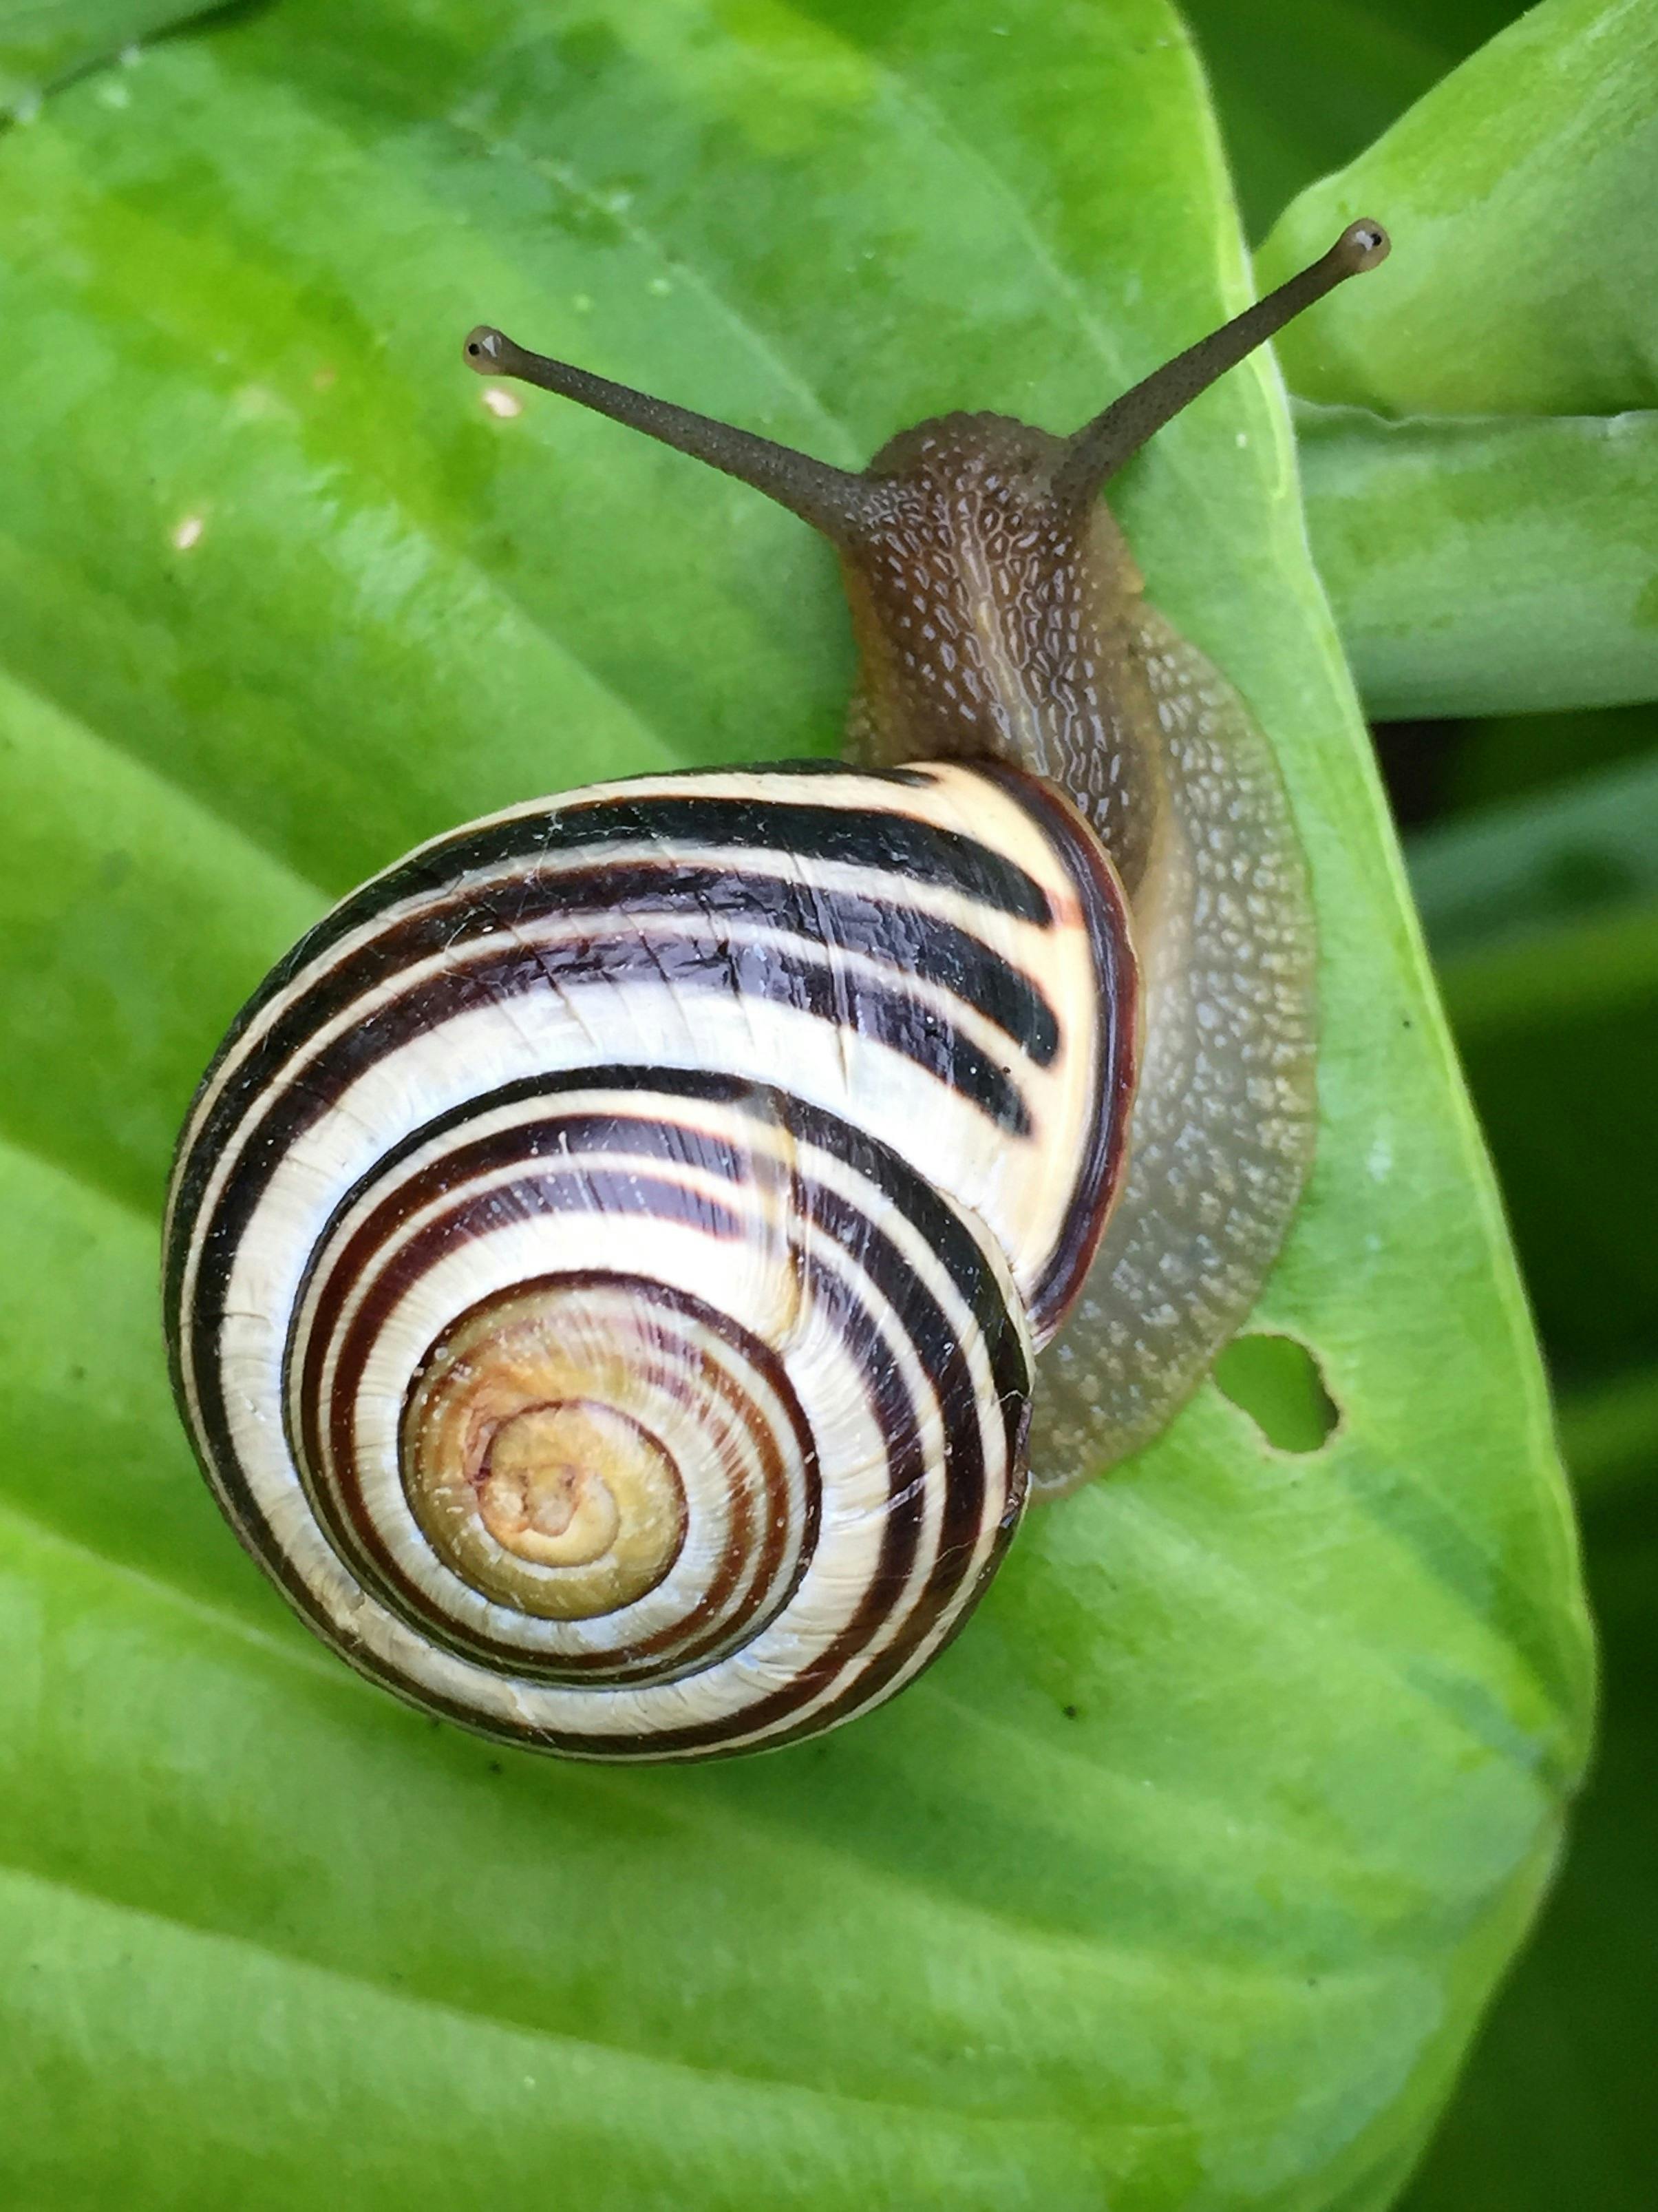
<point>607,1256</point>
<point>608,1261</point>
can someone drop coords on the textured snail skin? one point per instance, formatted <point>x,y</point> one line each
<point>996,620</point>
<point>606,1257</point>
<point>1223,1124</point>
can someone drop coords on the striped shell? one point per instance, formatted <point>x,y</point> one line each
<point>605,1258</point>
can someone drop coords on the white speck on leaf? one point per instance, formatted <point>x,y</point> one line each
<point>503,403</point>
<point>257,403</point>
<point>189,533</point>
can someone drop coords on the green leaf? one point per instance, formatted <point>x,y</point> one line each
<point>1536,908</point>
<point>1508,756</point>
<point>1513,874</point>
<point>1304,86</point>
<point>1524,277</point>
<point>1483,567</point>
<point>1543,915</point>
<point>1559,1037</point>
<point>1557,2108</point>
<point>44,41</point>
<point>1182,1879</point>
<point>1480,565</point>
<point>1610,1435</point>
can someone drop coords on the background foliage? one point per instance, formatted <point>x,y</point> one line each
<point>1493,550</point>
<point>1186,1875</point>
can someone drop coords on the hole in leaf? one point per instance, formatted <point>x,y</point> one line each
<point>1277,1383</point>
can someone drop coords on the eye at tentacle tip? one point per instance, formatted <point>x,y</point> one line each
<point>1362,245</point>
<point>487,350</point>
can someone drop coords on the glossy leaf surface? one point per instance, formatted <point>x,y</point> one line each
<point>44,41</point>
<point>1489,565</point>
<point>1519,191</point>
<point>1180,1879</point>
<point>1495,551</point>
<point>1301,88</point>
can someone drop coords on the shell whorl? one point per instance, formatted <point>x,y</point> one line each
<point>605,1260</point>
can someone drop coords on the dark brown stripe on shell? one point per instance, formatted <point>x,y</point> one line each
<point>1100,1172</point>
<point>963,1488</point>
<point>292,1103</point>
<point>943,1599</point>
<point>886,929</point>
<point>871,837</point>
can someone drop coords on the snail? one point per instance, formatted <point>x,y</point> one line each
<point>615,1264</point>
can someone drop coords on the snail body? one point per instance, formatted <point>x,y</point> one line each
<point>616,1264</point>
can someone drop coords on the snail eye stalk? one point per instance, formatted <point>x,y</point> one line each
<point>1098,450</point>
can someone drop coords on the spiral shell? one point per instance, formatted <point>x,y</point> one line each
<point>605,1261</point>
